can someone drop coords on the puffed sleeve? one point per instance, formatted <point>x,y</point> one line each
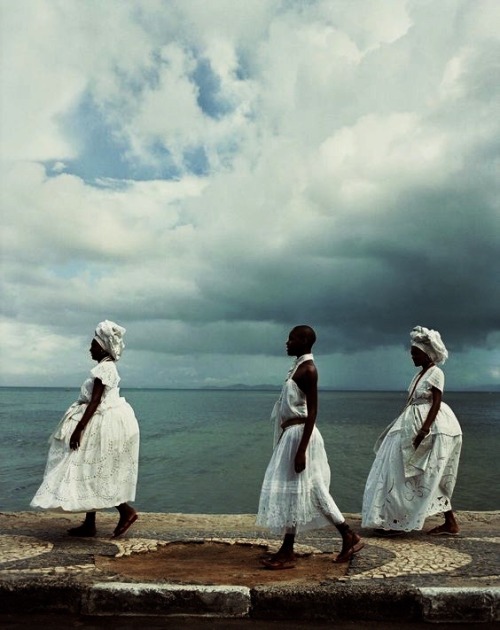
<point>107,372</point>
<point>436,378</point>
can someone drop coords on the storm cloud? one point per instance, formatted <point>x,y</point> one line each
<point>210,174</point>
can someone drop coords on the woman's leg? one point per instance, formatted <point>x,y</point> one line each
<point>449,527</point>
<point>284,558</point>
<point>451,522</point>
<point>351,543</point>
<point>286,549</point>
<point>128,517</point>
<point>87,528</point>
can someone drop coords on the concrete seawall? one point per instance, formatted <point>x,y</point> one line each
<point>170,564</point>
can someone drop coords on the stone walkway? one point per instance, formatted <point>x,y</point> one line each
<point>171,563</point>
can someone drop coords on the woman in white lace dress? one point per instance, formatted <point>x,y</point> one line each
<point>93,456</point>
<point>295,493</point>
<point>415,469</point>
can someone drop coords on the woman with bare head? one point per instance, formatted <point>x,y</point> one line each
<point>295,493</point>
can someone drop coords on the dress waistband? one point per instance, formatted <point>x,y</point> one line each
<point>291,422</point>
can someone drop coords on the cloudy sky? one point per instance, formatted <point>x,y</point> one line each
<point>210,173</point>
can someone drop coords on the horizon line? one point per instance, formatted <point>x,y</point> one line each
<point>482,389</point>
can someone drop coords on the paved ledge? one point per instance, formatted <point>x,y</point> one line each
<point>380,603</point>
<point>460,604</point>
<point>209,565</point>
<point>167,599</point>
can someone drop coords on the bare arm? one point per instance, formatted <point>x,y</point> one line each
<point>95,400</point>
<point>307,380</point>
<point>437,397</point>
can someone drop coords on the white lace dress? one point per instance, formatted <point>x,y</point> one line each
<point>405,485</point>
<point>102,472</point>
<point>291,501</point>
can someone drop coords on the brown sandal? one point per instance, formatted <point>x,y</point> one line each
<point>278,565</point>
<point>121,529</point>
<point>345,556</point>
<point>441,530</point>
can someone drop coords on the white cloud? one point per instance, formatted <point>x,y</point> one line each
<point>282,162</point>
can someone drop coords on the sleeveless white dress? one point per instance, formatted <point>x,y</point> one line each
<point>291,501</point>
<point>406,485</point>
<point>102,472</point>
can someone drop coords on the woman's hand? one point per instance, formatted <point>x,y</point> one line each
<point>76,437</point>
<point>300,461</point>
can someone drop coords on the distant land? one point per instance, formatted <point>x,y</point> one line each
<point>243,386</point>
<point>488,389</point>
<point>480,389</point>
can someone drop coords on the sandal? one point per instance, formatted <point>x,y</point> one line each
<point>345,556</point>
<point>441,530</point>
<point>278,565</point>
<point>121,529</point>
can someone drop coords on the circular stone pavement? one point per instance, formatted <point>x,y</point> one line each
<point>218,563</point>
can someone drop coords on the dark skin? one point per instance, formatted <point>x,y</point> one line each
<point>421,359</point>
<point>98,354</point>
<point>88,527</point>
<point>300,342</point>
<point>306,378</point>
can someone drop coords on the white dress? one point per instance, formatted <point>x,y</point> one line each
<point>102,472</point>
<point>291,501</point>
<point>406,485</point>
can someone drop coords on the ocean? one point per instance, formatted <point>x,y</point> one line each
<point>206,451</point>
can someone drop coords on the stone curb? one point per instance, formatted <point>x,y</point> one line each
<point>325,603</point>
<point>166,599</point>
<point>465,604</point>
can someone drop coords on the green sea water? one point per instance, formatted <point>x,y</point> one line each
<point>205,451</point>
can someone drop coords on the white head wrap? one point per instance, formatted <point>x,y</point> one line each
<point>430,342</point>
<point>110,337</point>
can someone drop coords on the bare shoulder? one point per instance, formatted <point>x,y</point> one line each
<point>306,373</point>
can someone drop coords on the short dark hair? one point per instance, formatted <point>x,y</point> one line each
<point>308,334</point>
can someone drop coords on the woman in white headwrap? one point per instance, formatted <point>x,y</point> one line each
<point>93,455</point>
<point>416,463</point>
